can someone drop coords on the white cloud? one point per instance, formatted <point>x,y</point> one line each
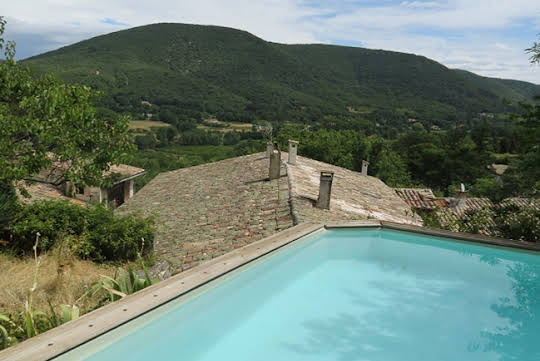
<point>484,36</point>
<point>422,4</point>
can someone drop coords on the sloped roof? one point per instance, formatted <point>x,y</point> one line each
<point>43,191</point>
<point>126,171</point>
<point>420,198</point>
<point>354,196</point>
<point>208,210</point>
<point>55,174</point>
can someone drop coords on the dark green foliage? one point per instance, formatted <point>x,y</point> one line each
<point>93,232</point>
<point>442,159</point>
<point>45,121</point>
<point>191,71</point>
<point>486,187</point>
<point>9,205</point>
<point>504,219</point>
<point>51,219</point>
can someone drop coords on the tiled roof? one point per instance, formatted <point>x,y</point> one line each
<point>448,213</point>
<point>55,174</point>
<point>420,198</point>
<point>523,202</point>
<point>208,210</point>
<point>125,170</point>
<point>43,191</point>
<point>354,197</point>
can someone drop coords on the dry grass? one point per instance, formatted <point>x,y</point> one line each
<point>226,127</point>
<point>241,125</point>
<point>62,279</point>
<point>146,124</point>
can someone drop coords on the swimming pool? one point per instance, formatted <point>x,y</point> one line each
<point>348,294</point>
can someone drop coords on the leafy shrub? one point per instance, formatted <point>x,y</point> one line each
<point>519,223</point>
<point>9,205</point>
<point>477,221</point>
<point>52,219</point>
<point>92,232</point>
<point>506,219</point>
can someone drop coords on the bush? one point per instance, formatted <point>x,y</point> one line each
<point>519,223</point>
<point>52,219</point>
<point>9,205</point>
<point>92,232</point>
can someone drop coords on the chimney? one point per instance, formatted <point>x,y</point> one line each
<point>269,148</point>
<point>293,148</point>
<point>461,198</point>
<point>275,162</point>
<point>365,165</point>
<point>325,190</point>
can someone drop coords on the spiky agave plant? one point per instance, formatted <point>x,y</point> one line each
<point>124,282</point>
<point>68,313</point>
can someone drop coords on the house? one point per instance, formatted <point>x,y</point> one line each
<point>208,210</point>
<point>50,184</point>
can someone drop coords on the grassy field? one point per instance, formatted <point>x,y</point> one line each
<point>146,124</point>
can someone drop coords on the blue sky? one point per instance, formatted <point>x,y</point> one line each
<point>484,36</point>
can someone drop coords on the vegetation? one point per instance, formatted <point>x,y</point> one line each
<point>28,311</point>
<point>183,74</point>
<point>504,219</point>
<point>91,232</point>
<point>123,283</point>
<point>46,123</point>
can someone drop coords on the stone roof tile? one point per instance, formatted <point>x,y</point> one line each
<point>208,210</point>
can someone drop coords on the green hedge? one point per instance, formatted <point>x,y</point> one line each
<point>92,232</point>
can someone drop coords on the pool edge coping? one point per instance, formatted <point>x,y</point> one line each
<point>102,320</point>
<point>463,236</point>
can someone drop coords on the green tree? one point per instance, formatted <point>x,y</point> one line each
<point>535,53</point>
<point>523,176</point>
<point>46,123</point>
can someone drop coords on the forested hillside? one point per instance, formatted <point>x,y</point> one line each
<point>184,72</point>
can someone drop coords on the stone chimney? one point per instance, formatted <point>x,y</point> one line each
<point>269,148</point>
<point>365,165</point>
<point>460,201</point>
<point>325,190</point>
<point>275,162</point>
<point>293,149</point>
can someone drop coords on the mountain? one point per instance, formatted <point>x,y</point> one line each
<point>194,71</point>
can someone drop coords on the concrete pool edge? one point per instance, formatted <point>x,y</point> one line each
<point>96,323</point>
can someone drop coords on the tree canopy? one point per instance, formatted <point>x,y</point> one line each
<point>47,123</point>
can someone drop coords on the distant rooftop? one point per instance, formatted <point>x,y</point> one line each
<point>208,210</point>
<point>124,170</point>
<point>424,199</point>
<point>50,184</point>
<point>44,191</point>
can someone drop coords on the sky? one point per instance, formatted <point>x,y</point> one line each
<point>487,37</point>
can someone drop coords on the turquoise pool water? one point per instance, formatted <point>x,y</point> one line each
<point>349,295</point>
